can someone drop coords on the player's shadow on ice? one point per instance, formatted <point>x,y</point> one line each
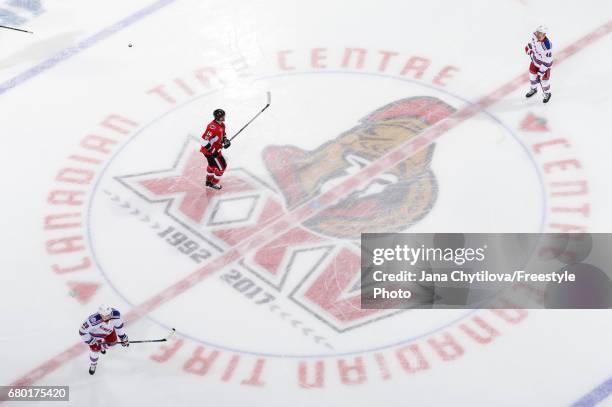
<point>41,49</point>
<point>516,104</point>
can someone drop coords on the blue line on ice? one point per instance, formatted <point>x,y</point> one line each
<point>596,395</point>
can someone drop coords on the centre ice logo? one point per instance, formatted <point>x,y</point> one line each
<point>392,201</point>
<point>274,250</point>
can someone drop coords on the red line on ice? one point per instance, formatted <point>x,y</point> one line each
<point>307,209</point>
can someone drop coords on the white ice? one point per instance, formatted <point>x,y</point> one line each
<point>491,175</point>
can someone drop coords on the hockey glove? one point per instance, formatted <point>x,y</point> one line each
<point>125,341</point>
<point>226,143</point>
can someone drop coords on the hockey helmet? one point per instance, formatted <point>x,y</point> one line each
<point>218,113</point>
<point>105,311</point>
<point>542,29</point>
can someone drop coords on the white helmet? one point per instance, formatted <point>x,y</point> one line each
<point>105,311</point>
<point>542,29</point>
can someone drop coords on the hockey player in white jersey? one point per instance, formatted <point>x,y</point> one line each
<point>539,50</point>
<point>102,330</point>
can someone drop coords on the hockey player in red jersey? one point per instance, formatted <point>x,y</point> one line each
<point>213,141</point>
<point>102,330</point>
<point>539,50</point>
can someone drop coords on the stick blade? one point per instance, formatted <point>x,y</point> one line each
<point>172,332</point>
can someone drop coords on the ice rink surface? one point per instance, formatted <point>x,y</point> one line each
<point>104,198</point>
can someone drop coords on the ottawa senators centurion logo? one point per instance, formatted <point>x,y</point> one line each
<point>391,202</point>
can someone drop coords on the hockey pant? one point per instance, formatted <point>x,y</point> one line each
<point>216,167</point>
<point>543,80</point>
<point>94,350</point>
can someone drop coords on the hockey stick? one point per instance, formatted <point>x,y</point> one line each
<point>150,340</point>
<point>250,121</point>
<point>16,29</point>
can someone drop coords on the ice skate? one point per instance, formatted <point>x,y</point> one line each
<point>531,93</point>
<point>213,186</point>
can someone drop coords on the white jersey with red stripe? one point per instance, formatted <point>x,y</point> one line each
<point>540,52</point>
<point>94,329</point>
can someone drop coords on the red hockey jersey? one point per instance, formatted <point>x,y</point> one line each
<point>212,139</point>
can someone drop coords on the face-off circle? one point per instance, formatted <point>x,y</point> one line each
<point>152,222</point>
